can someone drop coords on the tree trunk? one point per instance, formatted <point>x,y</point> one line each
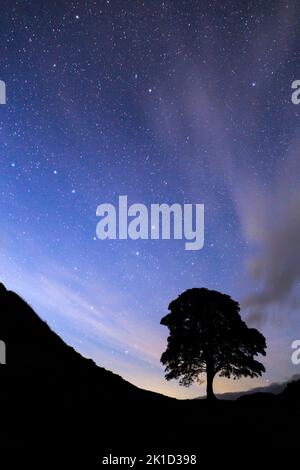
<point>209,385</point>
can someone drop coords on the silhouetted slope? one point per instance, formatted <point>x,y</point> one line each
<point>273,388</point>
<point>29,340</point>
<point>56,400</point>
<point>292,392</point>
<point>32,347</point>
<point>59,406</point>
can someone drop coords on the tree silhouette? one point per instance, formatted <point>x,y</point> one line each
<point>207,335</point>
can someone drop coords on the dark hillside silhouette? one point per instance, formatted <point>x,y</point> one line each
<point>208,335</point>
<point>33,347</point>
<point>60,408</point>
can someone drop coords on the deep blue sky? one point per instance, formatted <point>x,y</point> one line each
<point>165,102</point>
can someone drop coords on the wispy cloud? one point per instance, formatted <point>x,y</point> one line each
<point>267,198</point>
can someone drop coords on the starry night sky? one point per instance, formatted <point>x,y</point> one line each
<point>182,101</point>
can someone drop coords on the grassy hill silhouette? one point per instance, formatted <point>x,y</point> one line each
<point>59,405</point>
<point>273,388</point>
<point>33,348</point>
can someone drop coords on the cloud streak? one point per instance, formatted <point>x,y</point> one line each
<point>267,198</point>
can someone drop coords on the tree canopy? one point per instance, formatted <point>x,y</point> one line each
<point>208,335</point>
